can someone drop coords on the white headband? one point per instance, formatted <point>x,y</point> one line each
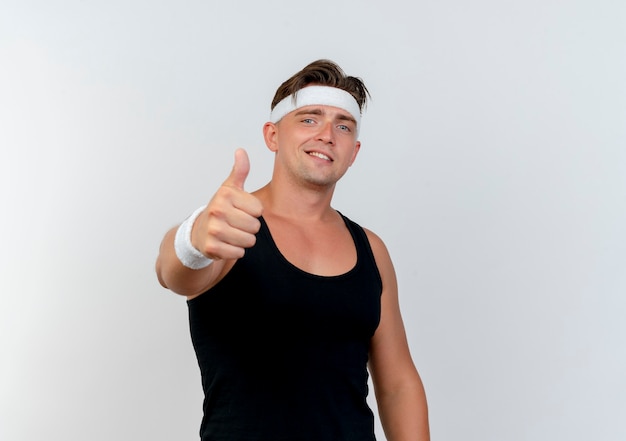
<point>318,95</point>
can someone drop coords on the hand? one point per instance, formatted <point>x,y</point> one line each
<point>229,223</point>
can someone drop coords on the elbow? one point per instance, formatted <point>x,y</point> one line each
<point>159,273</point>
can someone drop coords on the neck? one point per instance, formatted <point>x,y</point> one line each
<point>298,203</point>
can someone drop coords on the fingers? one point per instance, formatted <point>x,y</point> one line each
<point>242,201</point>
<point>230,222</point>
<point>227,242</point>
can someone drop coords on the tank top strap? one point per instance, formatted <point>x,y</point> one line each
<point>362,243</point>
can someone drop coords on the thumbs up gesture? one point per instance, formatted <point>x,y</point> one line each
<point>230,221</point>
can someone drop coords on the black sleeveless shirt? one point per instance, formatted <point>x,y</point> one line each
<point>282,352</point>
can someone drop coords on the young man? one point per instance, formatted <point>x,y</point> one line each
<point>289,301</point>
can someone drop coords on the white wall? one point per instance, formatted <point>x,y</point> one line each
<point>493,165</point>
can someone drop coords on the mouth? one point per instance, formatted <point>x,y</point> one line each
<point>320,155</point>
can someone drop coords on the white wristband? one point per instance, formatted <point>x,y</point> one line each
<point>188,255</point>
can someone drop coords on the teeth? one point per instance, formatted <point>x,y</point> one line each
<point>320,155</point>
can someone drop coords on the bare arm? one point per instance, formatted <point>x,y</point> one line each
<point>179,279</point>
<point>398,387</point>
<point>222,232</point>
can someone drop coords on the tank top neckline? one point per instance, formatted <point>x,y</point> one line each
<point>268,234</point>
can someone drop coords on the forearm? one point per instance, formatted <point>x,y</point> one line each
<point>404,413</point>
<point>176,277</point>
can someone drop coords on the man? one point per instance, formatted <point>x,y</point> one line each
<point>289,301</point>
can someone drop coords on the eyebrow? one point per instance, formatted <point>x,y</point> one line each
<point>318,111</point>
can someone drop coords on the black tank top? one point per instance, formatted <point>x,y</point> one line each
<point>282,352</point>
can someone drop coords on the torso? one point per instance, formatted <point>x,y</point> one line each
<point>283,353</point>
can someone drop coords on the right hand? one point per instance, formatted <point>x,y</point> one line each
<point>230,221</point>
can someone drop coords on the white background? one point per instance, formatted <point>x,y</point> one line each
<point>493,165</point>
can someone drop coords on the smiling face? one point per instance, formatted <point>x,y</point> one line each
<point>314,145</point>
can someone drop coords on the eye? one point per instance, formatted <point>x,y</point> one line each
<point>308,120</point>
<point>344,128</point>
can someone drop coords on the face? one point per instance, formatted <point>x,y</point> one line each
<point>314,145</point>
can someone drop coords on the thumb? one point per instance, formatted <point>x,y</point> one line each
<point>240,170</point>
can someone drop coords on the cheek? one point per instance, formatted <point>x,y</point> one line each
<point>355,153</point>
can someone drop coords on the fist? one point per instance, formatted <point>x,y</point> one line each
<point>230,221</point>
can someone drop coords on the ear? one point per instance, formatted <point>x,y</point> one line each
<point>357,147</point>
<point>270,134</point>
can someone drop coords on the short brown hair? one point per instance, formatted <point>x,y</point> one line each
<point>323,73</point>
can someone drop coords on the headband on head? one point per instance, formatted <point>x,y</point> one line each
<point>317,95</point>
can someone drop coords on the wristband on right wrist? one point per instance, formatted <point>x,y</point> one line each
<point>188,255</point>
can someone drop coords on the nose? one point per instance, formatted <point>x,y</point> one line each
<point>326,134</point>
